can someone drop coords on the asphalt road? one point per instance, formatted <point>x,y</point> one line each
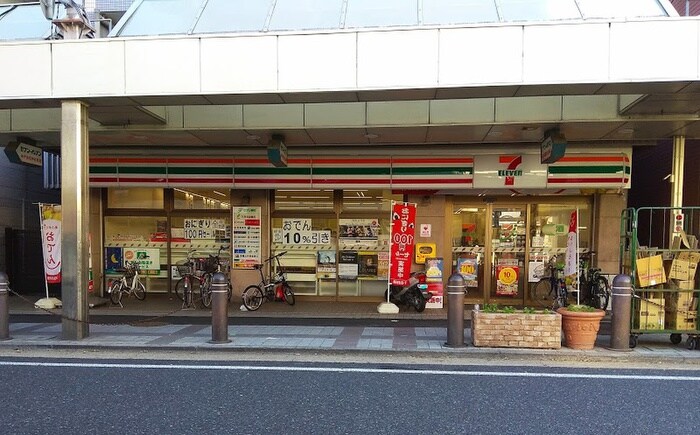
<point>110,396</point>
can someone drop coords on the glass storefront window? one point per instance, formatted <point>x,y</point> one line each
<point>311,253</point>
<point>303,200</point>
<point>139,239</point>
<point>369,200</point>
<point>200,237</point>
<point>201,199</point>
<point>135,197</point>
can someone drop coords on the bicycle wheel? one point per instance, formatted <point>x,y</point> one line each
<point>205,293</point>
<point>561,298</point>
<point>115,292</point>
<point>288,294</point>
<point>182,282</point>
<point>140,291</point>
<point>542,293</point>
<point>252,297</point>
<point>600,293</point>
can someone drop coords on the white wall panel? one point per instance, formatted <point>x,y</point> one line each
<point>86,69</point>
<point>334,114</point>
<point>481,55</point>
<point>651,50</point>
<point>213,116</point>
<point>241,64</point>
<point>458,111</point>
<point>273,115</point>
<point>308,62</point>
<point>589,107</point>
<point>525,109</point>
<point>565,53</point>
<point>397,59</point>
<point>397,112</point>
<point>25,70</point>
<point>166,66</point>
<point>36,119</point>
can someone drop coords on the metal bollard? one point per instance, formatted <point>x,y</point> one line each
<point>219,309</point>
<point>456,287</point>
<point>621,312</point>
<point>4,308</point>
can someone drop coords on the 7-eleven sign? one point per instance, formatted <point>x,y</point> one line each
<point>509,171</point>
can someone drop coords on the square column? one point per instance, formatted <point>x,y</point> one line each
<point>75,219</point>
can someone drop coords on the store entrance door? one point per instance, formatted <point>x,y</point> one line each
<point>508,241</point>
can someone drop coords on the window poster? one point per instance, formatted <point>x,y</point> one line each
<point>383,264</point>
<point>434,273</point>
<point>326,264</point>
<point>247,233</point>
<point>469,269</point>
<point>347,265</point>
<point>367,264</point>
<point>358,230</point>
<point>299,231</point>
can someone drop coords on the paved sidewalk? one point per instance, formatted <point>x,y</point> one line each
<point>408,340</point>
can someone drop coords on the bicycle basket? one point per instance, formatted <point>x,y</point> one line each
<point>279,277</point>
<point>131,269</point>
<point>211,265</point>
<point>184,267</point>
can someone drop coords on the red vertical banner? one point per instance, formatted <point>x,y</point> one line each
<point>403,229</point>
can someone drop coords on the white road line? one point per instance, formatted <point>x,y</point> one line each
<point>351,370</point>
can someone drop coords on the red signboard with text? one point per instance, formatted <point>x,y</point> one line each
<point>403,229</point>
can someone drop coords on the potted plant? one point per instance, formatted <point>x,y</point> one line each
<point>581,324</point>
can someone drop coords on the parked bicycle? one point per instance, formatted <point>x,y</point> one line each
<point>551,286</point>
<point>595,289</point>
<point>129,284</point>
<point>195,285</point>
<point>271,288</point>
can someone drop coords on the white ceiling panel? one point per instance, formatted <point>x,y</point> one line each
<point>528,109</point>
<point>335,114</point>
<point>457,134</point>
<point>477,110</point>
<point>398,135</point>
<point>398,112</point>
<point>323,136</point>
<point>273,115</point>
<point>213,116</point>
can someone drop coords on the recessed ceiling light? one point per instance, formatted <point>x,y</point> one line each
<point>529,128</point>
<point>252,137</point>
<point>371,136</point>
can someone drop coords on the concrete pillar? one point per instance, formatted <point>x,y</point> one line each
<point>75,219</point>
<point>677,172</point>
<point>607,221</point>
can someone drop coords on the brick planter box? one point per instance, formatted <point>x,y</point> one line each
<point>540,331</point>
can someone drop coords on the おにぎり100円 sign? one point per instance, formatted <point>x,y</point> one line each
<point>403,229</point>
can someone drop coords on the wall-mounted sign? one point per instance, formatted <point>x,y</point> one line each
<point>147,258</point>
<point>423,251</point>
<point>553,147</point>
<point>277,152</point>
<point>25,154</point>
<point>247,236</point>
<point>509,172</point>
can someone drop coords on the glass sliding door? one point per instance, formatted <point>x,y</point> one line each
<point>508,240</point>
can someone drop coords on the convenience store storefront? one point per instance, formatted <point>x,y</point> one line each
<point>331,214</point>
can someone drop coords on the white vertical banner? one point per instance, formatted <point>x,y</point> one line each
<point>571,266</point>
<point>50,215</point>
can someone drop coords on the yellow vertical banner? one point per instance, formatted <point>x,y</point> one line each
<point>51,241</point>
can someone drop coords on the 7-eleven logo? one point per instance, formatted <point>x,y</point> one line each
<point>511,171</point>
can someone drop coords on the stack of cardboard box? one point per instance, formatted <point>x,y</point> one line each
<point>682,301</point>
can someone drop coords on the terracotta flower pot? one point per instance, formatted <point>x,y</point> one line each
<point>580,327</point>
